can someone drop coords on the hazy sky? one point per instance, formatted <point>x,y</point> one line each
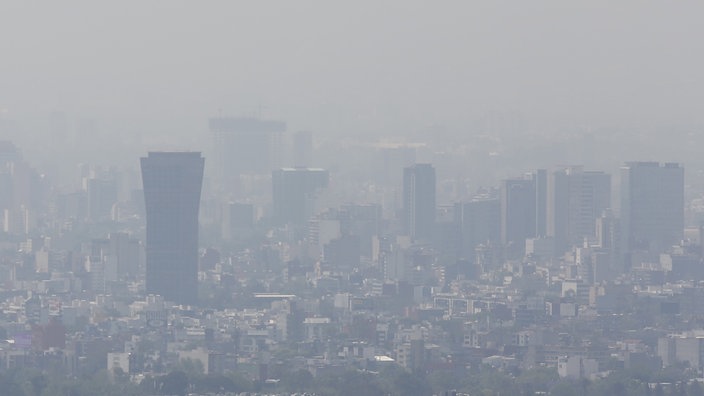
<point>346,66</point>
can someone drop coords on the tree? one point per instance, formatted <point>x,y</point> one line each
<point>695,389</point>
<point>564,388</point>
<point>174,383</point>
<point>10,387</point>
<point>241,383</point>
<point>215,383</point>
<point>350,383</point>
<point>298,381</point>
<point>192,367</point>
<point>538,379</point>
<point>411,385</point>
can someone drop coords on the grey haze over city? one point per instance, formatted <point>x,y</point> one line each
<point>340,198</point>
<point>142,73</point>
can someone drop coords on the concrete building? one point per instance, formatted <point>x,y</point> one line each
<point>682,348</point>
<point>244,145</point>
<point>518,218</point>
<point>576,367</point>
<point>480,222</point>
<point>294,191</point>
<point>419,201</point>
<point>118,361</point>
<point>120,248</point>
<point>575,199</point>
<point>652,206</point>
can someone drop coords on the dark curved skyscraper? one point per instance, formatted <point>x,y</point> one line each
<point>172,185</point>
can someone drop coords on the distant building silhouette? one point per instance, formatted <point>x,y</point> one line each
<point>518,214</point>
<point>120,251</point>
<point>22,191</point>
<point>540,178</point>
<point>172,187</point>
<point>294,191</point>
<point>479,222</point>
<point>419,201</point>
<point>576,199</point>
<point>652,206</point>
<point>102,195</point>
<point>244,145</point>
<point>237,219</point>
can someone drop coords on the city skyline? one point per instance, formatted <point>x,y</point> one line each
<point>308,198</point>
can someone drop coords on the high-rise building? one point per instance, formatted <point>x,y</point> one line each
<point>419,201</point>
<point>172,187</point>
<point>541,190</point>
<point>22,191</point>
<point>122,250</point>
<point>480,223</point>
<point>652,206</point>
<point>294,191</point>
<point>102,195</point>
<point>244,145</point>
<point>607,231</point>
<point>363,220</point>
<point>518,214</point>
<point>237,219</point>
<point>575,199</point>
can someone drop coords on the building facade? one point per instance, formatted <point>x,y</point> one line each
<point>172,187</point>
<point>576,199</point>
<point>294,191</point>
<point>518,214</point>
<point>419,201</point>
<point>244,146</point>
<point>652,206</point>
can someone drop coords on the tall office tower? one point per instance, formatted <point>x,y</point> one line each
<point>518,218</point>
<point>22,191</point>
<point>608,242</point>
<point>447,235</point>
<point>652,206</point>
<point>419,201</point>
<point>480,223</point>
<point>172,186</point>
<point>244,146</point>
<point>363,220</point>
<point>541,190</point>
<point>294,191</point>
<point>608,231</point>
<point>302,149</point>
<point>102,195</point>
<point>576,198</point>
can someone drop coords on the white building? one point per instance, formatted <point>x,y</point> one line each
<point>576,367</point>
<point>118,360</point>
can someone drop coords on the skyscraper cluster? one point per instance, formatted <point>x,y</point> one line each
<point>567,205</point>
<point>543,213</point>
